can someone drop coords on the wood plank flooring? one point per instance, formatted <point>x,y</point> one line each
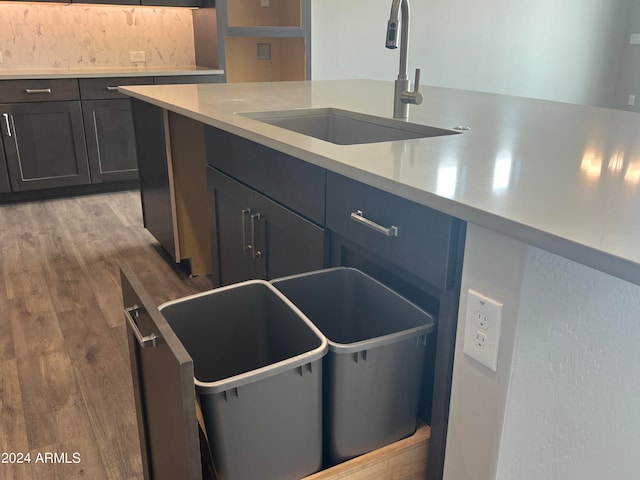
<point>65,381</point>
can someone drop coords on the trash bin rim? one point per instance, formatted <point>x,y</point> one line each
<point>267,371</point>
<point>374,342</point>
<point>381,341</point>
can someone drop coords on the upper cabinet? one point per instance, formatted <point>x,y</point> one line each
<point>264,13</point>
<point>264,40</point>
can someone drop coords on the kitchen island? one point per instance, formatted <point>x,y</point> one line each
<point>550,193</point>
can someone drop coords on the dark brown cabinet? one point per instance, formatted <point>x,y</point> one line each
<point>4,176</point>
<point>108,126</point>
<point>44,145</point>
<point>255,237</point>
<point>408,235</point>
<point>156,175</point>
<point>111,142</point>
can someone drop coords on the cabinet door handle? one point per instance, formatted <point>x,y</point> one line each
<point>358,216</point>
<point>255,253</point>
<point>245,246</point>
<point>144,341</point>
<point>112,89</point>
<point>37,90</point>
<point>7,125</point>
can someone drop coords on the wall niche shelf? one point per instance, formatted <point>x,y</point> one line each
<point>258,43</point>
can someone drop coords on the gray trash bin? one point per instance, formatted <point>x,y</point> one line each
<point>258,375</point>
<point>373,371</point>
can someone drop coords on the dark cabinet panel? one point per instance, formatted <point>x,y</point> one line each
<point>287,180</point>
<point>231,203</point>
<point>111,142</point>
<point>4,176</point>
<point>162,373</point>
<point>107,88</point>
<point>155,173</point>
<point>44,145</point>
<point>288,243</point>
<point>255,237</point>
<point>39,90</point>
<point>411,236</point>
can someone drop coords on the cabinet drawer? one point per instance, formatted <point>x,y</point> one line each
<point>423,245</point>
<point>288,180</point>
<point>18,91</point>
<point>106,88</point>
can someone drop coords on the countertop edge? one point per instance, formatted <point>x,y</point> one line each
<point>106,73</point>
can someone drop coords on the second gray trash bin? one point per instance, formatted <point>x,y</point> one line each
<point>258,375</point>
<point>373,371</point>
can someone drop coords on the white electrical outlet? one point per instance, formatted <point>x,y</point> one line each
<point>264,3</point>
<point>137,57</point>
<point>482,329</point>
<point>631,100</point>
<point>634,39</point>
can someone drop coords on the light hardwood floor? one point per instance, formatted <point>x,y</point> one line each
<point>65,381</point>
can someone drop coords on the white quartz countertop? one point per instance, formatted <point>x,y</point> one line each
<point>52,73</point>
<point>562,177</point>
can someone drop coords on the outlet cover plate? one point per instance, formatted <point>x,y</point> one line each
<point>137,56</point>
<point>483,321</point>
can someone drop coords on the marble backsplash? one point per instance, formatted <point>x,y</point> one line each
<point>76,36</point>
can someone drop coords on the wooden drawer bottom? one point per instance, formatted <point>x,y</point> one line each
<point>402,460</point>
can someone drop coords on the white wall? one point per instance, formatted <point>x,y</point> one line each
<point>560,50</point>
<point>629,72</point>
<point>565,401</point>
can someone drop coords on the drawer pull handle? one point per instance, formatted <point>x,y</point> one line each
<point>112,89</point>
<point>7,125</point>
<point>358,216</point>
<point>37,90</point>
<point>255,253</point>
<point>245,246</point>
<point>144,341</point>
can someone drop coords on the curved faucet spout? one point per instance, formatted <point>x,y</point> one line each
<point>392,33</point>
<point>402,97</point>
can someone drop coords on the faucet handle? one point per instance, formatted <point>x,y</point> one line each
<point>417,96</point>
<point>413,97</point>
<point>416,83</point>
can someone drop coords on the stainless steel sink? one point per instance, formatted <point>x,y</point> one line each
<point>344,127</point>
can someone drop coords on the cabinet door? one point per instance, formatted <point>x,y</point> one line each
<point>4,176</point>
<point>288,244</point>
<point>44,145</point>
<point>111,141</point>
<point>230,205</point>
<point>162,373</point>
<point>156,176</point>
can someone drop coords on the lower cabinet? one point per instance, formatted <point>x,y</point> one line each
<point>254,237</point>
<point>4,176</point>
<point>44,145</point>
<point>111,142</point>
<point>156,176</point>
